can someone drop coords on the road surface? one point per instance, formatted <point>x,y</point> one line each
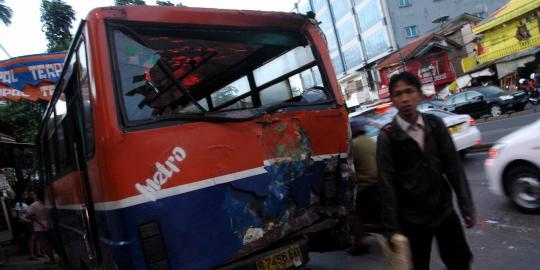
<point>493,130</point>
<point>503,239</point>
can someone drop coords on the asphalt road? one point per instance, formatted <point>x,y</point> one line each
<point>493,130</point>
<point>503,239</point>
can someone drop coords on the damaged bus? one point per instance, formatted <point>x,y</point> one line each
<point>187,138</point>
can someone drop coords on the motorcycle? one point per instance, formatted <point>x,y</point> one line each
<point>534,97</point>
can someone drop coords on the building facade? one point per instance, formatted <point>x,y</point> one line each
<point>358,35</point>
<point>362,32</point>
<point>508,43</point>
<point>414,18</point>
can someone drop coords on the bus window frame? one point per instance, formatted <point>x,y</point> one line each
<point>88,153</point>
<point>127,125</point>
<point>45,134</point>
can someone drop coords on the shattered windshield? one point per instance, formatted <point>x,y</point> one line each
<point>191,71</point>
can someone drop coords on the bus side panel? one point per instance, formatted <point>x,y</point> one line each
<point>238,187</point>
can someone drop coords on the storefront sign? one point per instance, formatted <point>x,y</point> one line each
<point>433,70</point>
<point>30,77</point>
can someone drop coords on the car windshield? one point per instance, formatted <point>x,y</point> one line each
<point>226,73</point>
<point>437,102</point>
<point>489,90</point>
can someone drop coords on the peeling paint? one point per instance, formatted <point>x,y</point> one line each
<point>253,234</point>
<point>284,200</point>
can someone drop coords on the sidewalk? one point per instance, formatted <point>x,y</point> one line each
<point>341,260</point>
<point>16,259</point>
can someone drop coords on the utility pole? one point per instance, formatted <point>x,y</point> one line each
<point>5,51</point>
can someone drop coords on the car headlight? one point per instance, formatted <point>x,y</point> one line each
<point>495,150</point>
<point>506,97</point>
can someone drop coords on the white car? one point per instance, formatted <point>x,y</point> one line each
<point>513,167</point>
<point>462,127</point>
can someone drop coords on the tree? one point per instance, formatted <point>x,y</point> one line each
<point>25,116</point>
<point>168,3</point>
<point>5,13</point>
<point>57,18</point>
<point>164,3</point>
<point>129,3</point>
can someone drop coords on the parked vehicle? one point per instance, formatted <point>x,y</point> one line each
<point>513,167</point>
<point>190,138</point>
<point>486,100</point>
<point>462,127</point>
<point>431,104</point>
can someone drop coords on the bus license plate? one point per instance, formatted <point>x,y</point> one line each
<point>455,129</point>
<point>282,260</point>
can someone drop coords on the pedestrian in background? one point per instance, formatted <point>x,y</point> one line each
<point>418,169</point>
<point>367,212</point>
<point>37,213</point>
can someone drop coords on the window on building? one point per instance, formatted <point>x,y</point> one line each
<point>352,56</point>
<point>376,43</point>
<point>404,3</point>
<point>338,65</point>
<point>325,18</point>
<point>347,31</point>
<point>332,40</point>
<point>369,14</point>
<point>340,8</point>
<point>318,4</point>
<point>411,31</point>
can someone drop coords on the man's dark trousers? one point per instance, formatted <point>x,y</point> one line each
<point>453,247</point>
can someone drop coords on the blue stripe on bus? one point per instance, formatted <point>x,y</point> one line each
<point>205,228</point>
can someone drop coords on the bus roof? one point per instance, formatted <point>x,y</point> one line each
<point>200,16</point>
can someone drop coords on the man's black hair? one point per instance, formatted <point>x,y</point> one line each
<point>407,77</point>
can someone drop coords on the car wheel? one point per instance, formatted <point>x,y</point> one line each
<point>524,185</point>
<point>495,110</point>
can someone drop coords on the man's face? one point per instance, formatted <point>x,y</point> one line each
<point>406,97</point>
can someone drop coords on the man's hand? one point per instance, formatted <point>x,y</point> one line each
<point>470,221</point>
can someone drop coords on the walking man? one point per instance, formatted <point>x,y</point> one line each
<point>418,169</point>
<point>365,175</point>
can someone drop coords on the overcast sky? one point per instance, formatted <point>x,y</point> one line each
<point>24,35</point>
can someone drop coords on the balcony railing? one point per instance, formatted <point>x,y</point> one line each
<point>521,46</point>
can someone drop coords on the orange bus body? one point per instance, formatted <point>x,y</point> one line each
<point>189,194</point>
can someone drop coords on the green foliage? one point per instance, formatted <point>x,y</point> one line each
<point>57,18</point>
<point>168,3</point>
<point>129,3</point>
<point>164,3</point>
<point>5,13</point>
<point>25,116</point>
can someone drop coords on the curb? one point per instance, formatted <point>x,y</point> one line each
<point>508,115</point>
<point>479,148</point>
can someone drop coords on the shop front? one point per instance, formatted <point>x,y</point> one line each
<point>433,70</point>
